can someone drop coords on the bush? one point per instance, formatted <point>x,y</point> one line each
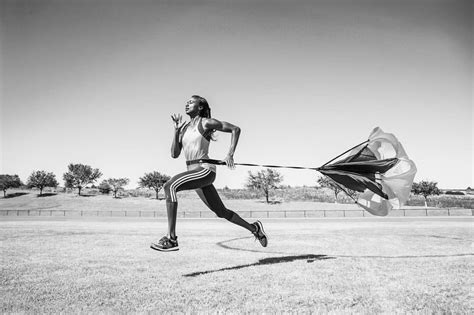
<point>457,193</point>
<point>104,188</point>
<point>91,191</point>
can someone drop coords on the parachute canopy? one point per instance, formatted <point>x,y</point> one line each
<point>379,169</point>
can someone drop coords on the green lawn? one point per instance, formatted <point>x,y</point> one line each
<point>371,265</point>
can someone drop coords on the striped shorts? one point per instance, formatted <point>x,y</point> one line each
<point>199,179</point>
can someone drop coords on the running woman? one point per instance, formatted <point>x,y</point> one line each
<point>194,138</point>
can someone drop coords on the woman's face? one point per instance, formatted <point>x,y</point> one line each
<point>192,106</point>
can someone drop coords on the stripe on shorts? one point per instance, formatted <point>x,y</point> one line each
<point>193,176</point>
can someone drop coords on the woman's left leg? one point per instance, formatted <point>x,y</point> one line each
<point>211,198</point>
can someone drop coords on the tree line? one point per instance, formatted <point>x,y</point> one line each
<point>78,176</point>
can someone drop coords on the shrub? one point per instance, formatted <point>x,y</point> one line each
<point>104,187</point>
<point>457,193</point>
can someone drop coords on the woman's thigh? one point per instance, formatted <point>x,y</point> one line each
<point>193,179</point>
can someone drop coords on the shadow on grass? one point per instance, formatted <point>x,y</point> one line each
<point>266,261</point>
<point>47,195</point>
<point>17,194</point>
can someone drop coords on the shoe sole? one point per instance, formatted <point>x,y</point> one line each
<point>260,226</point>
<point>172,249</point>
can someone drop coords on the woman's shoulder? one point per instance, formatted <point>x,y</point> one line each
<point>208,122</point>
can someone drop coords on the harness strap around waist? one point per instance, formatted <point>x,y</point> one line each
<point>209,161</point>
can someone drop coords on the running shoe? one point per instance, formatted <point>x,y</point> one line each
<point>260,233</point>
<point>165,244</point>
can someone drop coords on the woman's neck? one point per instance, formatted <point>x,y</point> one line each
<point>194,120</point>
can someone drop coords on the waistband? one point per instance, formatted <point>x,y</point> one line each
<point>209,161</point>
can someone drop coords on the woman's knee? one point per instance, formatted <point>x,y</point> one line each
<point>225,213</point>
<point>167,189</point>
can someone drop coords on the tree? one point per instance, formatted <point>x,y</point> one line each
<point>153,180</point>
<point>117,184</point>
<point>426,189</point>
<point>104,187</point>
<point>326,182</point>
<point>80,175</point>
<point>41,179</point>
<point>264,180</point>
<point>9,181</point>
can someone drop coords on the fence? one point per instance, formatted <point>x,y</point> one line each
<point>245,214</point>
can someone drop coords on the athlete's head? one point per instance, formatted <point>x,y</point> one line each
<point>200,105</point>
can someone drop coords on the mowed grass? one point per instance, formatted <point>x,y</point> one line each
<point>371,265</point>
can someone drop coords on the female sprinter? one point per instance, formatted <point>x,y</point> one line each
<point>193,138</point>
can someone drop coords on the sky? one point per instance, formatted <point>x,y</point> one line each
<point>95,82</point>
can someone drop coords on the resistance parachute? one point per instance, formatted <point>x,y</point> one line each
<point>379,169</point>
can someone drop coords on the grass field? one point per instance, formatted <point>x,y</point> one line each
<point>358,265</point>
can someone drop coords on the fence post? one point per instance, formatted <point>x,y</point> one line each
<point>426,211</point>
<point>449,214</point>
<point>81,213</point>
<point>304,213</point>
<point>344,213</point>
<point>324,213</point>
<point>284,213</point>
<point>50,213</point>
<point>28,212</point>
<point>140,214</point>
<point>404,213</point>
<point>200,214</point>
<point>64,212</point>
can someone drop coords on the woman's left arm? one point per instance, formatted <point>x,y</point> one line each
<point>214,124</point>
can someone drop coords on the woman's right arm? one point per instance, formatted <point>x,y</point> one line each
<point>176,146</point>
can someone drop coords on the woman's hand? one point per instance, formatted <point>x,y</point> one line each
<point>177,118</point>
<point>229,160</point>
